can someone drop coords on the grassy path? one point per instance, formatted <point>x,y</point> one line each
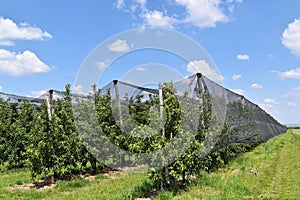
<point>286,179</point>
<point>277,163</point>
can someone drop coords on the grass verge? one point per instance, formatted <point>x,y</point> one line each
<point>270,171</point>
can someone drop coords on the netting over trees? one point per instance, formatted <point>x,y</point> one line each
<point>11,98</point>
<point>244,121</point>
<point>165,125</point>
<point>176,128</point>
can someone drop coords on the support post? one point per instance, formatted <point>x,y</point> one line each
<point>118,101</point>
<point>201,100</point>
<point>200,87</point>
<point>49,103</point>
<point>117,93</point>
<point>50,113</point>
<point>161,108</point>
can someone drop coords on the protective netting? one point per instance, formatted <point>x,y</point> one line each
<point>238,120</point>
<point>11,98</point>
<point>245,122</point>
<point>125,119</point>
<point>200,109</point>
<point>233,119</point>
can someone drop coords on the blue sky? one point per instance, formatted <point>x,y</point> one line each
<point>255,44</point>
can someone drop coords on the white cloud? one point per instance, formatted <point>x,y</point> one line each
<point>256,86</point>
<point>203,13</point>
<point>118,46</point>
<point>295,92</point>
<point>236,76</point>
<point>265,106</point>
<point>238,91</point>
<point>18,64</point>
<point>78,89</point>
<point>199,13</point>
<point>158,19</point>
<point>0,88</point>
<point>38,93</point>
<point>101,65</point>
<point>294,73</point>
<point>141,69</point>
<point>291,37</point>
<point>119,4</point>
<point>160,33</point>
<point>232,1</point>
<point>142,2</point>
<point>269,103</point>
<point>243,57</point>
<point>293,104</point>
<point>141,29</point>
<point>10,31</point>
<point>200,66</point>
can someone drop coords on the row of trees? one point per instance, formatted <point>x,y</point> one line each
<point>178,116</point>
<point>49,145</point>
<point>72,139</point>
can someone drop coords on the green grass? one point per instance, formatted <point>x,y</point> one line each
<point>119,187</point>
<point>277,163</point>
<point>125,185</point>
<point>72,185</point>
<point>165,196</point>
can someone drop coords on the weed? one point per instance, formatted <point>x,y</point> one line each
<point>19,182</point>
<point>205,179</point>
<point>70,185</point>
<point>100,177</point>
<point>165,196</point>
